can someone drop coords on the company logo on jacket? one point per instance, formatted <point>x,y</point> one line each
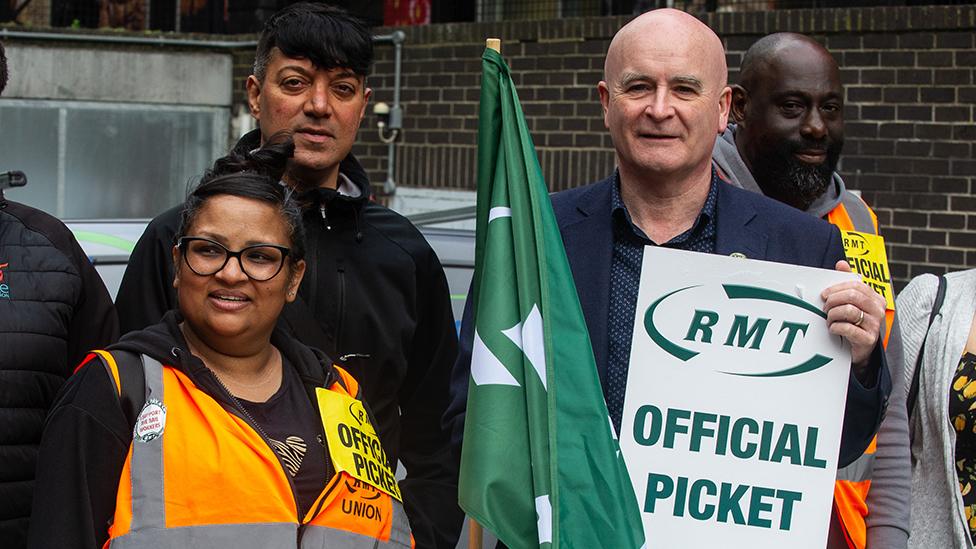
<point>4,287</point>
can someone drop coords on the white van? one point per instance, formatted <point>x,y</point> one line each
<point>108,244</point>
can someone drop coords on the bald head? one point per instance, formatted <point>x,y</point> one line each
<point>789,106</point>
<point>667,32</point>
<point>779,49</point>
<point>665,98</point>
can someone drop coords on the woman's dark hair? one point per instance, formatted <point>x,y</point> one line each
<point>325,35</point>
<point>255,175</point>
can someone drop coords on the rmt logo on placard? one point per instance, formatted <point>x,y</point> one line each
<point>712,331</point>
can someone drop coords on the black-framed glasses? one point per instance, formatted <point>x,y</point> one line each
<point>260,262</point>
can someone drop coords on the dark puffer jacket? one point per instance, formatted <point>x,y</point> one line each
<point>53,309</point>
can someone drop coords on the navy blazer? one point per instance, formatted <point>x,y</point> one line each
<point>748,223</point>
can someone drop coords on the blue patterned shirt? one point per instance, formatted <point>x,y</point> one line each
<point>625,272</point>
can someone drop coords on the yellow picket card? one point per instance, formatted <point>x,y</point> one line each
<point>867,257</point>
<point>353,444</point>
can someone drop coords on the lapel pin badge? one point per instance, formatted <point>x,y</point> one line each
<point>738,255</point>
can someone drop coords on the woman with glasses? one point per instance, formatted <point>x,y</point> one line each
<point>213,428</point>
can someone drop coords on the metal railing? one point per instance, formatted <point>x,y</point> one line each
<point>499,10</point>
<point>204,16</point>
<point>220,17</point>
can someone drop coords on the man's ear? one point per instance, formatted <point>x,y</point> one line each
<point>253,87</point>
<point>604,92</point>
<point>176,267</point>
<point>723,109</point>
<point>740,101</point>
<point>367,93</point>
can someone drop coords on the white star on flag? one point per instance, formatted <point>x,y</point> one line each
<point>498,212</point>
<point>543,508</point>
<point>486,369</point>
<point>528,337</point>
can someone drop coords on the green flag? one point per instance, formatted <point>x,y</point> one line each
<point>540,466</point>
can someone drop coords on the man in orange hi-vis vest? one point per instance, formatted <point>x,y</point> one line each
<point>789,109</point>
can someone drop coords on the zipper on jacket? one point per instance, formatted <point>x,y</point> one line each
<point>325,218</point>
<point>342,305</point>
<point>246,416</point>
<point>329,474</point>
<point>329,471</point>
<point>318,507</point>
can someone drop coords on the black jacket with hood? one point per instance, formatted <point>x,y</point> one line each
<point>375,298</point>
<point>89,431</point>
<point>53,308</point>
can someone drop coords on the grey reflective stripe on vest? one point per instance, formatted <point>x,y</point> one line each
<point>148,507</point>
<point>400,532</point>
<point>324,537</point>
<point>862,469</point>
<point>216,536</point>
<point>858,211</point>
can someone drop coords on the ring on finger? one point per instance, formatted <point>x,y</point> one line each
<point>860,318</point>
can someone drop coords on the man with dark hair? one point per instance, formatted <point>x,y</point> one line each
<point>374,297</point>
<point>54,308</point>
<point>789,105</point>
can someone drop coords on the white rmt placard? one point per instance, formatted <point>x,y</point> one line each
<point>735,402</point>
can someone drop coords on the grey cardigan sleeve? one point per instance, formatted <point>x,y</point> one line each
<point>889,499</point>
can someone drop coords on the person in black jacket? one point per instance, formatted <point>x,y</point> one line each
<point>53,308</point>
<point>374,296</point>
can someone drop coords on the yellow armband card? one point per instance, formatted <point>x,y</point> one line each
<point>867,257</point>
<point>353,444</point>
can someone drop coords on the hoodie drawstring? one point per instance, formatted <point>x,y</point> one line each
<point>357,218</point>
<point>325,218</point>
<point>323,197</point>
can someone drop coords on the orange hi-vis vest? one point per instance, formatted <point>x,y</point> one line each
<point>854,481</point>
<point>197,476</point>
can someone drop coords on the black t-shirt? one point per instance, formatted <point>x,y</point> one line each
<point>292,423</point>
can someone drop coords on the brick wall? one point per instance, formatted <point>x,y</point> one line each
<point>909,76</point>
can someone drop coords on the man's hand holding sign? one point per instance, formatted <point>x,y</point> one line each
<point>856,313</point>
<point>736,394</point>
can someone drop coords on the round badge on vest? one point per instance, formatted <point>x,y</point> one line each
<point>738,255</point>
<point>151,421</point>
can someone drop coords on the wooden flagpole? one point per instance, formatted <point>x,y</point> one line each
<point>475,531</point>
